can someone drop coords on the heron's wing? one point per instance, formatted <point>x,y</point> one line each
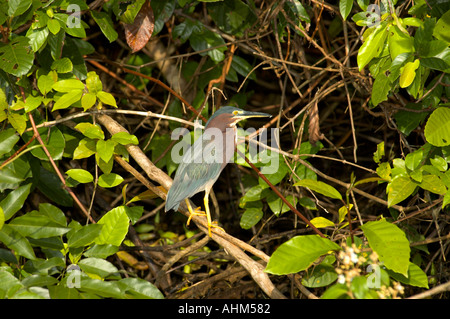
<point>195,172</point>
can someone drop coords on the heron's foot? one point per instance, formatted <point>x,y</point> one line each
<point>214,225</point>
<point>196,212</point>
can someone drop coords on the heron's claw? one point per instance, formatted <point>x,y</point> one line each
<point>196,212</point>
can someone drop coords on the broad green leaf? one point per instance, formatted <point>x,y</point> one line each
<point>440,163</point>
<point>413,160</point>
<point>399,189</point>
<point>18,7</point>
<point>8,139</point>
<point>442,26</point>
<point>345,7</point>
<point>378,155</point>
<point>8,283</point>
<point>277,205</point>
<point>18,121</point>
<point>105,149</point>
<point>409,73</point>
<point>207,40</point>
<point>125,138</point>
<point>399,42</point>
<point>437,129</point>
<point>53,26</point>
<point>54,213</point>
<point>68,85</point>
<point>337,291</point>
<point>101,251</point>
<point>298,254</point>
<point>251,217</point>
<point>106,98</point>
<point>14,240</point>
<point>2,218</point>
<point>93,83</point>
<point>67,99</point>
<point>15,200</point>
<point>390,243</point>
<point>320,276</point>
<point>63,65</point>
<point>372,46</point>
<point>36,225</point>
<point>115,227</point>
<point>320,187</point>
<point>33,102</point>
<point>86,148</point>
<point>433,184</point>
<point>88,100</point>
<point>39,281</point>
<point>85,236</point>
<point>415,277</point>
<point>380,89</point>
<point>45,82</point>
<point>80,175</point>
<point>16,57</point>
<point>109,180</point>
<point>141,289</point>
<point>90,130</point>
<point>55,144</point>
<point>98,266</point>
<point>106,25</point>
<point>321,222</point>
<point>105,289</point>
<point>275,177</point>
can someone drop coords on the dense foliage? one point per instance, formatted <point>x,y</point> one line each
<point>358,206</point>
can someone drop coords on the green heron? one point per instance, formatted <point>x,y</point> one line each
<point>203,162</point>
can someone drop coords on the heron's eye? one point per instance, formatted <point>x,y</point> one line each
<point>235,112</point>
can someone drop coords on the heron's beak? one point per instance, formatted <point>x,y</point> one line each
<point>242,115</point>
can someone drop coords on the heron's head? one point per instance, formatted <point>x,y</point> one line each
<point>228,116</point>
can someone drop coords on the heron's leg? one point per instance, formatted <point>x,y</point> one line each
<point>208,214</point>
<point>192,212</point>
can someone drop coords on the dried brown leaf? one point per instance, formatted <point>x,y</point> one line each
<point>139,32</point>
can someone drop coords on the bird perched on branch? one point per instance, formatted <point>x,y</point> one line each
<point>203,162</point>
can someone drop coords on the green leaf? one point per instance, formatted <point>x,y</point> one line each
<point>399,189</point>
<point>442,26</point>
<point>106,25</point>
<point>85,236</point>
<point>345,7</point>
<point>98,266</point>
<point>105,149</point>
<point>109,180</point>
<point>378,155</point>
<point>380,89</point>
<point>298,254</point>
<point>101,251</point>
<point>85,148</point>
<point>125,138</point>
<point>80,175</point>
<point>390,243</point>
<point>36,225</point>
<point>93,82</point>
<point>106,98</point>
<point>141,289</point>
<point>90,130</point>
<point>18,121</point>
<point>63,65</point>
<point>115,227</point>
<point>33,102</point>
<point>105,289</point>
<point>437,129</point>
<point>45,82</point>
<point>440,163</point>
<point>14,240</point>
<point>277,205</point>
<point>251,216</point>
<point>320,276</point>
<point>16,57</point>
<point>18,7</point>
<point>372,46</point>
<point>433,184</point>
<point>53,26</point>
<point>68,85</point>
<point>413,160</point>
<point>8,139</point>
<point>210,41</point>
<point>320,187</point>
<point>399,42</point>
<point>88,100</point>
<point>54,213</point>
<point>321,222</point>
<point>15,200</point>
<point>2,218</point>
<point>415,277</point>
<point>409,73</point>
<point>67,100</point>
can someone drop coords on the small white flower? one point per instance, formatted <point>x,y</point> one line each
<point>341,279</point>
